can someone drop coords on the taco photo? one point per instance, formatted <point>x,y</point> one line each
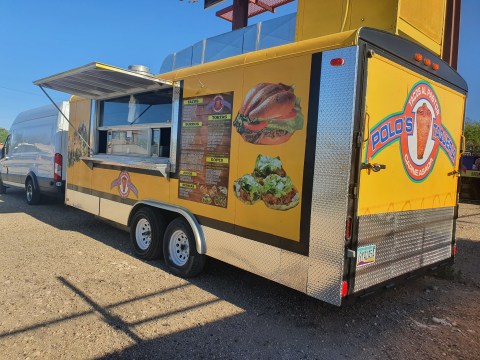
<point>247,189</point>
<point>268,182</point>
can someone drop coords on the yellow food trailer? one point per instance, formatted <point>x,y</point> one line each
<point>329,164</point>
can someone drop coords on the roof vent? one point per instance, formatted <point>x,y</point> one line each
<point>141,69</point>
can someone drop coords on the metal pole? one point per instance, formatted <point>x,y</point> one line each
<point>240,14</point>
<point>451,33</point>
<point>61,112</point>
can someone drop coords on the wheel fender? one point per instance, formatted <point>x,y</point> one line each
<point>32,175</point>
<point>201,245</point>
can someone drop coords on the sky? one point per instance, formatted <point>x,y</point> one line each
<point>42,38</point>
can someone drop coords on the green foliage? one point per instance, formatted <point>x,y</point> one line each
<point>3,135</point>
<point>472,137</point>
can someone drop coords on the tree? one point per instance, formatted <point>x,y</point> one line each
<point>3,135</point>
<point>472,137</point>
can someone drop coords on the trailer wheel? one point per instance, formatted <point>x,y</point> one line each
<point>180,251</point>
<point>32,194</point>
<point>146,233</point>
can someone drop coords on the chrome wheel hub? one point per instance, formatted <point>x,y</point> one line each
<point>143,234</point>
<point>179,248</point>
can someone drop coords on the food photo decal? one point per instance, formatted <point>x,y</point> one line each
<point>214,194</point>
<point>269,115</point>
<point>268,182</point>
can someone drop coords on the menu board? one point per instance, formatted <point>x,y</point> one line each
<point>205,135</point>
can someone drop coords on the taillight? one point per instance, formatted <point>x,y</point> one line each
<point>344,288</point>
<point>57,167</point>
<point>348,228</point>
<point>454,250</point>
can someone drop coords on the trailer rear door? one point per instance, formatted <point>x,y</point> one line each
<point>408,184</point>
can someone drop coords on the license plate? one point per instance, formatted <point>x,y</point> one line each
<point>366,255</point>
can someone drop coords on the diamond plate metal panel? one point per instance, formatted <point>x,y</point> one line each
<point>275,264</point>
<point>405,241</point>
<point>332,172</point>
<point>293,270</point>
<point>246,254</point>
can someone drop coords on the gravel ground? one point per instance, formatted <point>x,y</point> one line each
<point>70,288</point>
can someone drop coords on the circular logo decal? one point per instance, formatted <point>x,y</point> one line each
<point>420,131</point>
<point>124,185</point>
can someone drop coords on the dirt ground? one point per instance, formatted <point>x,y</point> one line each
<point>70,288</point>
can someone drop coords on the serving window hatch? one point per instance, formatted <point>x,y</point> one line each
<point>134,113</point>
<point>98,81</point>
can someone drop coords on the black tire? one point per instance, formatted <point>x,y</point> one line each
<point>180,250</point>
<point>146,233</point>
<point>32,193</point>
<point>3,188</point>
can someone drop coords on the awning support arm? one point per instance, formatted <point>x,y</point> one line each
<point>66,118</point>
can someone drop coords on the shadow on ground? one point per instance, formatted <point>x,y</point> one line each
<point>276,322</point>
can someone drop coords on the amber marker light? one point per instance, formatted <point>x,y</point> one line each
<point>435,67</point>
<point>337,62</point>
<point>427,62</point>
<point>418,57</point>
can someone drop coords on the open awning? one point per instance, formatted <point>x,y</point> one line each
<point>99,81</point>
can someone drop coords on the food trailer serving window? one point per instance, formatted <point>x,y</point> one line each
<point>134,115</point>
<point>136,125</point>
<point>146,108</point>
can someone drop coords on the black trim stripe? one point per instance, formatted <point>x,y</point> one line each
<point>134,170</point>
<point>259,236</point>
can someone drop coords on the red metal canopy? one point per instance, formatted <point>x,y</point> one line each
<point>255,7</point>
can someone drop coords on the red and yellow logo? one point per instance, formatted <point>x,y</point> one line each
<point>124,185</point>
<point>419,130</point>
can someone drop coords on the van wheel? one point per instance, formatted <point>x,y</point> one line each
<point>32,194</point>
<point>146,233</point>
<point>180,251</point>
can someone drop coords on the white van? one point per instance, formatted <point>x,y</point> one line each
<point>35,153</point>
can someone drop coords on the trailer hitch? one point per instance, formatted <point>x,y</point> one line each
<point>374,167</point>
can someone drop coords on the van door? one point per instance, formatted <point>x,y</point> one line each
<point>4,160</point>
<point>8,171</point>
<point>408,184</point>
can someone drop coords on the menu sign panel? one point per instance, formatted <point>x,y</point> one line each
<point>205,135</point>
